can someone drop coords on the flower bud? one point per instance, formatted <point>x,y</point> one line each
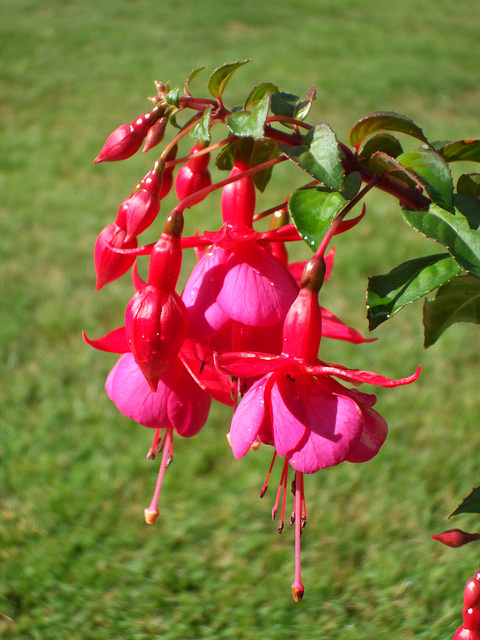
<point>456,537</point>
<point>462,633</point>
<point>143,206</point>
<point>109,264</point>
<point>471,594</point>
<point>193,176</point>
<point>126,140</point>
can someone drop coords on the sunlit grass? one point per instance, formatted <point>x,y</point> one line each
<point>76,559</point>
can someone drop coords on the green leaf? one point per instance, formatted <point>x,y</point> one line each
<point>201,130</point>
<point>220,77</point>
<point>319,156</point>
<point>380,163</point>
<point>456,301</point>
<point>313,210</point>
<point>458,232</point>
<point>224,160</point>
<point>250,124</point>
<point>258,93</point>
<point>384,121</point>
<point>303,105</point>
<point>173,97</point>
<point>194,73</point>
<point>470,504</point>
<point>387,294</point>
<point>469,184</point>
<point>263,150</point>
<point>460,150</point>
<point>381,142</point>
<point>434,174</point>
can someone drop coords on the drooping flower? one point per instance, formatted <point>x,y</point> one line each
<point>179,404</point>
<point>296,404</point>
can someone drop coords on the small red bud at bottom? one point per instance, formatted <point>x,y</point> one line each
<point>456,538</point>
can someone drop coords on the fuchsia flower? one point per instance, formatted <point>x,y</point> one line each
<point>156,321</point>
<point>297,406</point>
<point>179,404</point>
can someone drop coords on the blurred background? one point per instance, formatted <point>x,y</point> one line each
<point>76,558</point>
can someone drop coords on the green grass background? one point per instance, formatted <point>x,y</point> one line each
<point>76,559</point>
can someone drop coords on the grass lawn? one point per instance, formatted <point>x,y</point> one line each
<point>76,558</point>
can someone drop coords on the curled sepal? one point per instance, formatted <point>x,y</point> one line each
<point>358,376</point>
<point>113,342</point>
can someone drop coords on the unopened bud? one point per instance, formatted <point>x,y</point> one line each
<point>456,537</point>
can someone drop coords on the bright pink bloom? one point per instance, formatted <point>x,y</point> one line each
<point>179,402</point>
<point>296,405</point>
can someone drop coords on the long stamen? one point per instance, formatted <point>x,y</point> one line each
<point>281,491</point>
<point>153,448</point>
<point>297,587</point>
<point>151,513</point>
<point>265,484</point>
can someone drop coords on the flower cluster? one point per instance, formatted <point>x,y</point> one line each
<point>246,329</point>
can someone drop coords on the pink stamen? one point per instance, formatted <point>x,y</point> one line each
<point>297,586</point>
<point>151,513</point>
<point>153,448</point>
<point>265,484</point>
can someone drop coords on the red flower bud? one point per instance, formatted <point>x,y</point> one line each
<point>456,537</point>
<point>143,206</point>
<point>471,594</point>
<point>471,618</point>
<point>462,633</point>
<point>127,138</point>
<point>194,175</point>
<point>238,198</point>
<point>110,265</point>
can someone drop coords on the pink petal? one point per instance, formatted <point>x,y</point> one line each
<point>336,424</point>
<point>289,417</point>
<point>200,295</point>
<point>248,418</point>
<point>127,388</point>
<point>374,429</point>
<point>188,404</point>
<point>257,289</point>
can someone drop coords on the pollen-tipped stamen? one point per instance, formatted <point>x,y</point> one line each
<point>297,586</point>
<point>151,513</point>
<point>263,490</point>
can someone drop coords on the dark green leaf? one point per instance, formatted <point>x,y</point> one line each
<point>387,294</point>
<point>319,156</point>
<point>224,160</point>
<point>383,121</point>
<point>352,182</point>
<point>194,73</point>
<point>460,150</point>
<point>469,184</point>
<point>471,504</point>
<point>258,93</point>
<point>380,163</point>
<point>220,77</point>
<point>313,210</point>
<point>284,104</point>
<point>201,131</point>
<point>458,232</point>
<point>381,142</point>
<point>250,124</point>
<point>434,174</point>
<point>263,150</point>
<point>456,301</point>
